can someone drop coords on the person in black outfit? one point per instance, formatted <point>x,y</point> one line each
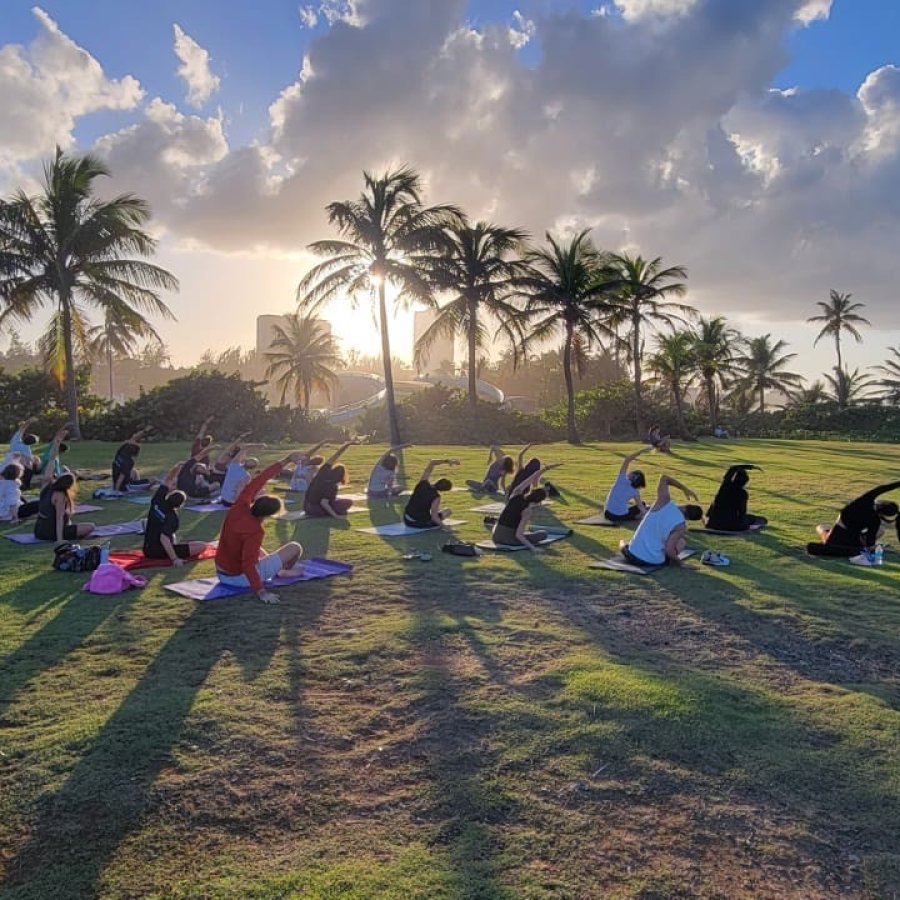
<point>728,511</point>
<point>424,507</point>
<point>321,499</point>
<point>160,540</point>
<point>192,479</point>
<point>56,504</point>
<point>124,475</point>
<point>859,524</point>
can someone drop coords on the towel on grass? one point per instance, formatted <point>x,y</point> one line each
<point>619,563</point>
<point>135,559</point>
<point>213,589</point>
<point>27,537</point>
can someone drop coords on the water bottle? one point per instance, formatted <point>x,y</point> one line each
<point>878,555</point>
<point>104,553</point>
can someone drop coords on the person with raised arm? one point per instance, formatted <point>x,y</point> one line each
<point>424,507</point>
<point>238,473</point>
<point>59,441</point>
<point>623,502</point>
<point>201,446</point>
<point>124,475</point>
<point>500,466</point>
<point>240,558</point>
<point>728,511</point>
<point>660,535</point>
<point>321,498</point>
<point>21,451</point>
<point>859,526</point>
<point>218,469</point>
<point>56,505</point>
<point>306,469</point>
<point>160,532</point>
<point>382,479</point>
<point>511,528</point>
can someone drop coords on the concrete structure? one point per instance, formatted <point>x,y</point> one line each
<point>442,354</point>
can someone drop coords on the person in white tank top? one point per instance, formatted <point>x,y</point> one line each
<point>659,537</point>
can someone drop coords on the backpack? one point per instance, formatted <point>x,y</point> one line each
<point>460,548</point>
<point>68,557</point>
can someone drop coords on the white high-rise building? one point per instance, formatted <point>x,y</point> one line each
<point>441,355</point>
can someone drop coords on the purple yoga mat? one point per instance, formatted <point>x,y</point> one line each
<point>213,589</point>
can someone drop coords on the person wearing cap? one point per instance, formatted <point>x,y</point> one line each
<point>623,502</point>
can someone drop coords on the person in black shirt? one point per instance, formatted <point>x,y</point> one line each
<point>728,511</point>
<point>424,507</point>
<point>321,499</point>
<point>859,525</point>
<point>512,525</point>
<point>56,504</point>
<point>192,479</point>
<point>160,539</point>
<point>124,475</point>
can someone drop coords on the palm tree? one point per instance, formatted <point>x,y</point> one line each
<point>839,315</point>
<point>475,266</point>
<point>762,368</point>
<point>812,395</point>
<point>643,288</point>
<point>846,387</point>
<point>890,380</point>
<point>675,366</point>
<point>302,356</point>
<point>714,349</point>
<point>565,288</point>
<point>65,246</point>
<point>119,336</point>
<point>388,238</point>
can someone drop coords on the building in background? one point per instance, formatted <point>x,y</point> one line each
<point>440,357</point>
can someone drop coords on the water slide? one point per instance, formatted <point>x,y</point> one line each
<point>343,415</point>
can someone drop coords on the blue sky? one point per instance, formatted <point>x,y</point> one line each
<point>655,124</point>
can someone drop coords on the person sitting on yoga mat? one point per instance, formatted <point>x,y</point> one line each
<point>240,559</point>
<point>659,537</point>
<point>658,440</point>
<point>201,446</point>
<point>859,524</point>
<point>12,507</point>
<point>382,479</point>
<point>193,481</point>
<point>512,524</point>
<point>623,502</point>
<point>321,498</point>
<point>160,538</point>
<point>21,451</point>
<point>306,469</point>
<point>424,507</point>
<point>124,475</point>
<point>218,469</point>
<point>500,465</point>
<point>237,475</point>
<point>56,505</point>
<point>728,511</point>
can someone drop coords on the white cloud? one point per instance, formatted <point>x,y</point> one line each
<point>46,86</point>
<point>635,10</point>
<point>194,69</point>
<point>813,10</point>
<point>521,31</point>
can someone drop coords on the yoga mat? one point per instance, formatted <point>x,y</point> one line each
<point>98,532</point>
<point>142,499</point>
<point>401,529</point>
<point>215,507</point>
<point>298,514</point>
<point>618,563</point>
<point>753,529</point>
<point>85,507</point>
<point>135,559</point>
<point>513,548</point>
<point>498,507</point>
<point>602,521</point>
<point>213,589</point>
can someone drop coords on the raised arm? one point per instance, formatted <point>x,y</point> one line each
<point>316,447</point>
<point>875,493</point>
<point>338,453</point>
<point>733,470</point>
<point>522,453</point>
<point>426,473</point>
<point>47,475</point>
<point>495,454</point>
<point>532,480</point>
<point>662,491</point>
<point>392,450</point>
<point>628,460</point>
<point>171,479</point>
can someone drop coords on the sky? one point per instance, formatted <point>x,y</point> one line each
<point>756,142</point>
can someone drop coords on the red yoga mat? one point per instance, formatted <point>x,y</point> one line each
<point>135,559</point>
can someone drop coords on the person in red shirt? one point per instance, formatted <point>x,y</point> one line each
<point>240,559</point>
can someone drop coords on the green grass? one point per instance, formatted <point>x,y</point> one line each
<point>516,726</point>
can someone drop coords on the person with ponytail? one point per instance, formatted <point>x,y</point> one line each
<point>160,532</point>
<point>728,511</point>
<point>511,527</point>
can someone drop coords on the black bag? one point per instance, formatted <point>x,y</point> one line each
<point>68,557</point>
<point>460,548</point>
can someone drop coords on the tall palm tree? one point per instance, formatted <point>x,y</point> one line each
<point>388,237</point>
<point>565,289</point>
<point>812,395</point>
<point>119,336</point>
<point>476,266</point>
<point>643,288</point>
<point>302,357</point>
<point>838,315</point>
<point>675,365</point>
<point>762,368</point>
<point>66,247</point>
<point>847,387</point>
<point>714,348</point>
<point>890,377</point>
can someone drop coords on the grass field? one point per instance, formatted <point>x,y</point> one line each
<point>515,726</point>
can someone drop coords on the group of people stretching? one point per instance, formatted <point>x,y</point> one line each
<point>658,538</point>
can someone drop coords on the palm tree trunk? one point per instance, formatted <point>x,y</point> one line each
<point>837,345</point>
<point>679,409</point>
<point>762,399</point>
<point>711,400</point>
<point>473,349</point>
<point>570,386</point>
<point>390,399</point>
<point>109,363</point>
<point>71,390</point>
<point>636,364</point>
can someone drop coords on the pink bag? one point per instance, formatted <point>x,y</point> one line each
<point>110,578</point>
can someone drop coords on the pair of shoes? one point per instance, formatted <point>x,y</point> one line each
<point>418,554</point>
<point>862,559</point>
<point>711,558</point>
